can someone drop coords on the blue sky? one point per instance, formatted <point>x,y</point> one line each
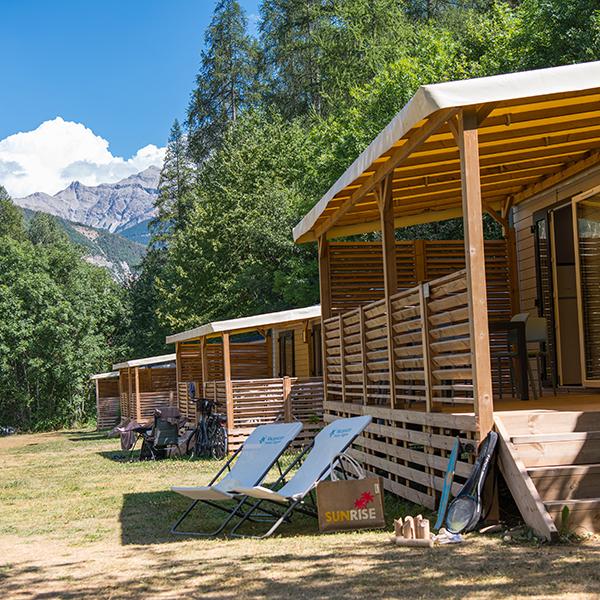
<point>124,68</point>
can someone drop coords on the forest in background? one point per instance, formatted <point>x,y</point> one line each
<point>273,120</point>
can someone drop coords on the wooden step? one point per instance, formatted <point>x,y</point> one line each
<point>566,482</point>
<point>524,422</point>
<point>582,513</point>
<point>540,450</point>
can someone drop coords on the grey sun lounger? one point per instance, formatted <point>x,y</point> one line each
<point>330,442</point>
<point>246,468</point>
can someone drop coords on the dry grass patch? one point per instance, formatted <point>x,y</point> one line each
<point>74,523</point>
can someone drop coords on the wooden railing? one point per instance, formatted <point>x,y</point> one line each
<point>260,401</point>
<point>412,350</point>
<point>108,411</point>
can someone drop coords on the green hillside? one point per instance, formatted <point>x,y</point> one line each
<point>113,251</point>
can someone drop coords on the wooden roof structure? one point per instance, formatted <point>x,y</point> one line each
<point>245,324</point>
<point>535,128</point>
<point>109,375</point>
<point>146,362</point>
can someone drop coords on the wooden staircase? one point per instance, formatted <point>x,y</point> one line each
<point>551,459</point>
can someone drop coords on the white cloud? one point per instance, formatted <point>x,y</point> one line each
<point>58,152</point>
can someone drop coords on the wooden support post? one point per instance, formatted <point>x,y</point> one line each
<point>138,398</point>
<point>423,296</point>
<point>324,278</point>
<point>363,350</point>
<point>420,262</point>
<point>98,404</point>
<point>325,298</point>
<point>475,264</point>
<point>287,399</point>
<point>390,274</point>
<point>342,358</point>
<point>178,381</point>
<point>228,383</point>
<point>130,394</point>
<point>203,361</point>
<point>511,251</point>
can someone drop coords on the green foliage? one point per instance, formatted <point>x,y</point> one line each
<point>11,218</point>
<point>321,81</point>
<point>45,230</point>
<point>223,85</point>
<point>174,187</point>
<point>235,255</point>
<point>60,321</point>
<point>147,333</point>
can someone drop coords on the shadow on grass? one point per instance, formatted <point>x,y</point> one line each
<point>86,436</point>
<point>341,568</point>
<point>146,518</point>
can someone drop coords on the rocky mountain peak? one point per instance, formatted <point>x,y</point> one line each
<point>113,206</point>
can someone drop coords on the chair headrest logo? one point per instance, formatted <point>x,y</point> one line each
<point>340,433</point>
<point>270,439</point>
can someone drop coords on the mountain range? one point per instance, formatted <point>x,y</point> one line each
<point>110,220</point>
<point>117,207</point>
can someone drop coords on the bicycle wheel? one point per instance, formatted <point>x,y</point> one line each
<point>218,447</point>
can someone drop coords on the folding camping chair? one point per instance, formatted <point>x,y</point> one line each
<point>317,461</point>
<point>246,468</point>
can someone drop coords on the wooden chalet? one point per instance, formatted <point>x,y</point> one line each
<point>146,384</point>
<point>108,411</point>
<point>258,369</point>
<point>415,334</point>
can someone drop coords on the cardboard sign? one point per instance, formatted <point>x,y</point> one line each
<point>350,504</point>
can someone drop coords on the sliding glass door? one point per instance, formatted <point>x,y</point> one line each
<point>586,226</point>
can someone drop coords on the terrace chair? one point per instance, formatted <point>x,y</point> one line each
<point>246,468</point>
<point>317,462</point>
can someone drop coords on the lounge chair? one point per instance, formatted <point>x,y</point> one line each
<point>246,468</point>
<point>329,443</point>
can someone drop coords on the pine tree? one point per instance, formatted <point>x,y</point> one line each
<point>11,218</point>
<point>174,187</point>
<point>223,85</point>
<point>290,32</point>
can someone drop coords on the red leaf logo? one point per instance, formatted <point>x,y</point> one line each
<point>365,499</point>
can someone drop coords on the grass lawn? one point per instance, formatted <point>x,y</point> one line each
<point>75,523</point>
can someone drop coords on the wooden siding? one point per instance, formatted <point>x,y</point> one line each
<point>107,403</point>
<point>523,221</point>
<point>157,389</point>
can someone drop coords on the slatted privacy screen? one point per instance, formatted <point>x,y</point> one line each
<point>410,449</point>
<point>357,280</point>
<point>108,403</point>
<point>427,335</point>
<point>356,270</point>
<point>157,389</point>
<point>306,405</point>
<point>260,401</point>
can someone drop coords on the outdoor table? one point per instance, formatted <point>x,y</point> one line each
<point>519,328</point>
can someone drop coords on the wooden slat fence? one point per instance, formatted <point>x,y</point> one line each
<point>107,403</point>
<point>428,339</point>
<point>402,361</point>
<point>260,401</point>
<point>357,280</point>
<point>409,449</point>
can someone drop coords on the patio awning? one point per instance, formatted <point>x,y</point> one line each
<point>109,375</point>
<point>244,324</point>
<point>534,126</point>
<point>147,362</point>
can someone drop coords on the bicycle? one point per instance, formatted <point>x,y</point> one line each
<point>210,436</point>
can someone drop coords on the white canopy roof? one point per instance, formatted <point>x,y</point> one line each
<point>533,124</point>
<point>248,323</point>
<point>144,362</point>
<point>109,375</point>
